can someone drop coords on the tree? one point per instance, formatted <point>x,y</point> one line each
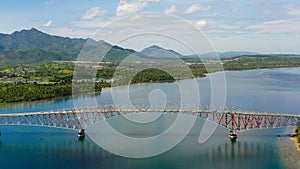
<point>297,130</point>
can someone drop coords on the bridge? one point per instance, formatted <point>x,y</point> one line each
<point>77,119</point>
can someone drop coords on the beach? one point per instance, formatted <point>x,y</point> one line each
<point>289,154</point>
<point>296,143</point>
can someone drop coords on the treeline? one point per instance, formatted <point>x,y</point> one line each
<point>252,62</point>
<point>297,131</point>
<point>152,75</point>
<point>17,92</point>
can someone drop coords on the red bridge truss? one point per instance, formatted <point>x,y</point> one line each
<point>76,119</point>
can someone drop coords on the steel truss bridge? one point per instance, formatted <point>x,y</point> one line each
<point>76,119</point>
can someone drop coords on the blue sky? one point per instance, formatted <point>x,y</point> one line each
<point>266,26</point>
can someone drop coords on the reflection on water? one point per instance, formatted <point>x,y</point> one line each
<point>85,154</point>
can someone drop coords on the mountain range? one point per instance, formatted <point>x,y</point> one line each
<point>34,46</point>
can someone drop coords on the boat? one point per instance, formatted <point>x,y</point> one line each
<point>80,133</point>
<point>232,135</point>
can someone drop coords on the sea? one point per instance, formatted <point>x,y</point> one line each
<point>261,90</point>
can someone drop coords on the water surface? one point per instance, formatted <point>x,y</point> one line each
<point>270,90</point>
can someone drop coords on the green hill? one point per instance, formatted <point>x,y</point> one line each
<point>33,46</point>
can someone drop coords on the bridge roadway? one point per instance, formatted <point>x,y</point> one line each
<point>76,119</point>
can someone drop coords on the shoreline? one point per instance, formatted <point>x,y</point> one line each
<point>112,85</point>
<point>295,141</point>
<point>288,154</point>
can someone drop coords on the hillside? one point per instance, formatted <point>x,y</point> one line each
<point>33,46</point>
<point>158,52</point>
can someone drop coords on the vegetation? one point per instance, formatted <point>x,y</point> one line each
<point>54,79</point>
<point>198,71</point>
<point>260,62</point>
<point>43,81</point>
<point>28,71</point>
<point>35,47</point>
<point>15,92</point>
<point>297,131</point>
<point>152,75</point>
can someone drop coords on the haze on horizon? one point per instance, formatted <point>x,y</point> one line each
<point>258,26</point>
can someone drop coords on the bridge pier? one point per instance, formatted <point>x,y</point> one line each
<point>81,134</point>
<point>232,135</point>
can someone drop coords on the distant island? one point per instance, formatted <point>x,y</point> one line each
<point>35,65</point>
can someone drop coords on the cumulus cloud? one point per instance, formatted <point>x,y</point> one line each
<point>201,23</point>
<point>92,13</point>
<point>171,10</point>
<point>48,23</point>
<point>125,8</point>
<point>194,8</point>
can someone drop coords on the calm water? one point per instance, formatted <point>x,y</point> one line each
<point>271,90</point>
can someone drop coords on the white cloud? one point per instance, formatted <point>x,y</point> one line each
<point>234,10</point>
<point>136,17</point>
<point>201,23</point>
<point>125,8</point>
<point>171,10</point>
<point>215,14</point>
<point>194,8</point>
<point>92,13</point>
<point>277,26</point>
<point>294,11</point>
<point>48,23</point>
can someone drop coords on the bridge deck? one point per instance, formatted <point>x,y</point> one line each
<point>149,111</point>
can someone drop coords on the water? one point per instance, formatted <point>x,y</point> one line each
<point>271,90</point>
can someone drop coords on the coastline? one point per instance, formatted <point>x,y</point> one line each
<point>205,75</point>
<point>295,141</point>
<point>288,154</point>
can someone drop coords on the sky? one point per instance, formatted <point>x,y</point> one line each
<point>264,26</point>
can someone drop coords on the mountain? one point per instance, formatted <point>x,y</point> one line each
<point>33,46</point>
<point>224,55</point>
<point>231,54</point>
<point>26,39</point>
<point>159,53</point>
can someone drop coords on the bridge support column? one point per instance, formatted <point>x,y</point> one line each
<point>232,136</point>
<point>81,134</point>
